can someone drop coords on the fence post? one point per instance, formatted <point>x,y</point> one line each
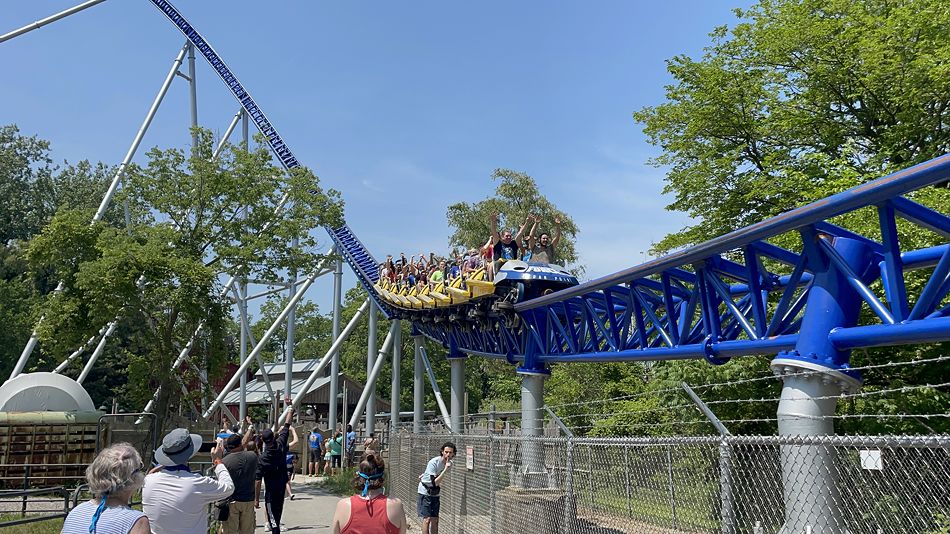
<point>26,486</point>
<point>569,488</point>
<point>726,498</point>
<point>669,461</point>
<point>629,492</point>
<point>491,467</point>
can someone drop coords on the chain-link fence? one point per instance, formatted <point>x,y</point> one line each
<point>730,485</point>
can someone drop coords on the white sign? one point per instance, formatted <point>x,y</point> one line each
<point>470,458</point>
<point>871,459</point>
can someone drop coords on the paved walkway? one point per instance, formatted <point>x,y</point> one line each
<point>310,512</point>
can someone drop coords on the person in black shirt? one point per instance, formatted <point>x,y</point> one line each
<point>242,466</point>
<point>505,246</point>
<point>272,470</point>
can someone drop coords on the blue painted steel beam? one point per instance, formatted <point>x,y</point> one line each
<point>870,193</point>
<point>907,333</point>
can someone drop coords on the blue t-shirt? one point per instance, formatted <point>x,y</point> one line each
<point>315,440</point>
<point>350,438</point>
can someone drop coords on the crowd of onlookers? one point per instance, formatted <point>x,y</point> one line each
<point>421,271</point>
<point>245,461</point>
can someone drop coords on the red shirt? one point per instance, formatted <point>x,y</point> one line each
<point>369,517</point>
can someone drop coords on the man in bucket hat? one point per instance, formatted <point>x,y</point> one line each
<point>175,499</point>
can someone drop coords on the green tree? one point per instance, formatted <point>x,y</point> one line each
<point>516,196</point>
<point>799,100</point>
<point>33,189</point>
<point>193,219</point>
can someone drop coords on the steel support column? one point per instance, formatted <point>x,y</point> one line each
<point>418,383</point>
<point>371,355</point>
<point>813,374</point>
<point>242,305</point>
<point>291,337</point>
<point>532,399</point>
<point>456,387</point>
<point>332,420</point>
<point>396,386</point>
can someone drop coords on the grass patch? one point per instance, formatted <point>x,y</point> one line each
<point>339,484</point>
<point>50,526</point>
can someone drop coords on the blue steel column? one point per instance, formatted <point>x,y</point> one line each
<point>457,372</point>
<point>371,355</point>
<point>813,374</point>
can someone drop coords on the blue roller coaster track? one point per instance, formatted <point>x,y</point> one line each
<point>739,294</point>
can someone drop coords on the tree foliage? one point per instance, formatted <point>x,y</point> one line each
<point>800,99</point>
<point>516,196</point>
<point>194,218</point>
<point>33,188</point>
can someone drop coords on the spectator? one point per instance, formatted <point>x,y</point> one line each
<point>272,470</point>
<point>249,442</point>
<point>113,476</point>
<point>242,466</point>
<point>175,499</point>
<point>336,450</point>
<point>369,510</point>
<point>371,445</point>
<point>315,444</point>
<point>350,445</point>
<point>291,471</point>
<point>430,486</point>
<point>543,250</point>
<point>327,459</point>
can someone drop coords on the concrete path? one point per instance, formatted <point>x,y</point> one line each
<point>310,512</point>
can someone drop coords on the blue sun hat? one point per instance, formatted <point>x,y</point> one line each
<point>178,446</point>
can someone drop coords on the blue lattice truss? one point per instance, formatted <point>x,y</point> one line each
<point>736,295</point>
<point>739,294</point>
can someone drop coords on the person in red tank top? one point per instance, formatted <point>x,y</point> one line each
<point>369,511</point>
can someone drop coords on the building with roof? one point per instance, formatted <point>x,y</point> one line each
<point>264,392</point>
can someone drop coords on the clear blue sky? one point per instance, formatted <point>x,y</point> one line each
<point>405,107</point>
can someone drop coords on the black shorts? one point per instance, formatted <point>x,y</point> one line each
<point>315,456</point>
<point>335,460</point>
<point>428,505</point>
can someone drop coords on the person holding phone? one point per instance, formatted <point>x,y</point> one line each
<point>174,499</point>
<point>430,486</point>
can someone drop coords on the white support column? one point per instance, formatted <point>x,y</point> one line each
<point>261,343</point>
<point>242,307</point>
<point>333,351</point>
<point>291,338</point>
<point>369,390</point>
<point>457,392</point>
<point>96,353</point>
<point>395,387</point>
<point>332,416</point>
<point>192,93</point>
<point>52,18</point>
<point>371,344</point>
<point>418,386</point>
<point>436,389</point>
